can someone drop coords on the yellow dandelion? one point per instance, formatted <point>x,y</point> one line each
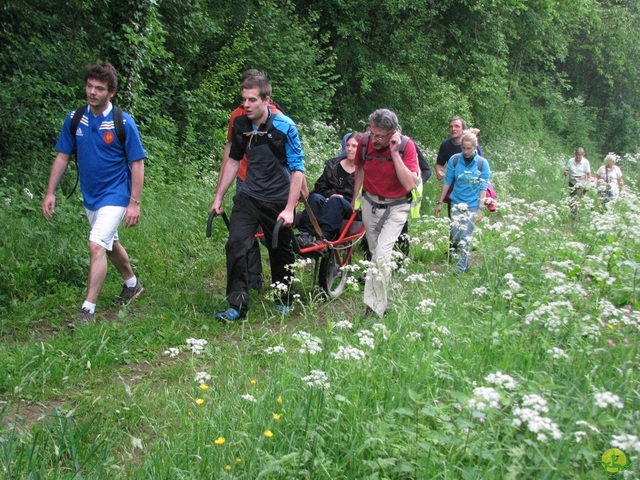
<point>220,441</point>
<point>268,433</point>
<point>253,382</point>
<point>238,459</point>
<point>610,326</point>
<point>277,416</point>
<point>199,401</point>
<point>227,468</point>
<point>204,386</point>
<point>279,400</point>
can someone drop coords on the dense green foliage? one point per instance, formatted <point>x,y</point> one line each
<point>547,71</point>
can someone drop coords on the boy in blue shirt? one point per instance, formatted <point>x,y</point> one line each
<point>111,177</point>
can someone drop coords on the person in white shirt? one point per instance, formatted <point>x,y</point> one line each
<point>609,179</point>
<point>579,171</point>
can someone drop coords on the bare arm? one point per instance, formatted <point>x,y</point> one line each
<point>297,178</point>
<point>132,216</point>
<point>407,178</point>
<point>443,194</point>
<point>57,171</point>
<point>228,172</point>
<point>439,172</point>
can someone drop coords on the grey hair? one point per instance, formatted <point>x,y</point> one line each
<point>384,119</point>
<point>580,150</point>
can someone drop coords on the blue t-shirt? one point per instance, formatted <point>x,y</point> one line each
<point>105,176</point>
<point>469,181</point>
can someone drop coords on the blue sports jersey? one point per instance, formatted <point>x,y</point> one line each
<point>102,162</point>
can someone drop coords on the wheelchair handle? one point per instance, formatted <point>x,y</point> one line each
<point>276,232</point>
<point>213,215</point>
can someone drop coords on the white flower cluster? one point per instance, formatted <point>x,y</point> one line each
<point>581,434</point>
<point>416,277</point>
<point>626,442</point>
<point>436,343</point>
<point>553,316</point>
<point>426,306</point>
<point>344,325</point>
<point>310,344</point>
<point>529,414</point>
<point>413,336</point>
<point>348,353</point>
<point>249,398</point>
<point>479,291</point>
<point>317,379</point>
<point>442,329</point>
<point>502,380</point>
<point>569,289</point>
<point>513,253</point>
<point>274,350</point>
<point>366,339</point>
<point>511,282</point>
<point>196,345</point>
<point>28,193</point>
<point>607,399</point>
<point>7,201</point>
<point>557,353</point>
<point>202,377</point>
<point>484,397</point>
<point>173,352</point>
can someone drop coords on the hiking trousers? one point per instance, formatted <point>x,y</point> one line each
<point>246,216</point>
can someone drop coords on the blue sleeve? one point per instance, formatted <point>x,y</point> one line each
<point>66,142</point>
<point>133,145</point>
<point>293,147</point>
<point>450,175</point>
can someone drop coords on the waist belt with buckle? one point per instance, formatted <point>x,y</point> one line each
<point>385,206</point>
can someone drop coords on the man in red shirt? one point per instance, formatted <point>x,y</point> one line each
<point>387,177</point>
<point>254,264</point>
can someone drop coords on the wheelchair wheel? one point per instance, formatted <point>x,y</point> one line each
<point>331,277</point>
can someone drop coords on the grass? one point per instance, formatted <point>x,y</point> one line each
<point>544,325</point>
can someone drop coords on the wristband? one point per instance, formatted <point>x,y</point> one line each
<point>137,202</point>
<point>439,203</point>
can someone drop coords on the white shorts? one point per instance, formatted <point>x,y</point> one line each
<point>104,225</point>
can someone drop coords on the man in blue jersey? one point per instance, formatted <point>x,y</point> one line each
<point>275,173</point>
<point>111,177</point>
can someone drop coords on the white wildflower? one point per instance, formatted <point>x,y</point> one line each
<point>502,380</point>
<point>202,377</point>
<point>348,353</point>
<point>606,399</point>
<point>275,350</point>
<point>480,291</point>
<point>172,352</point>
<point>344,324</point>
<point>557,353</point>
<point>317,379</point>
<point>484,397</point>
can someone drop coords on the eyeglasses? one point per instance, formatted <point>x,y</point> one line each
<point>380,137</point>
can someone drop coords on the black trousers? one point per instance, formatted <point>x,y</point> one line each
<point>247,214</point>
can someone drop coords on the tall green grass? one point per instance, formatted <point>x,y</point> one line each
<point>525,367</point>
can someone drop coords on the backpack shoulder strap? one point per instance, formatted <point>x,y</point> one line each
<point>480,163</point>
<point>75,121</point>
<point>456,159</point>
<point>365,145</point>
<point>403,143</point>
<point>119,125</point>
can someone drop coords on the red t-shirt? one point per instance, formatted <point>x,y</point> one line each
<point>242,173</point>
<point>379,172</point>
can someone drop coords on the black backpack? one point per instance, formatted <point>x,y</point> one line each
<point>118,124</point>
